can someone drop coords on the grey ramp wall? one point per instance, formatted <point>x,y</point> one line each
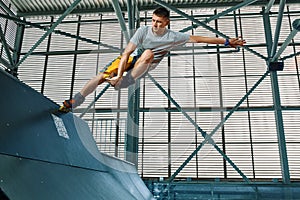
<point>39,162</point>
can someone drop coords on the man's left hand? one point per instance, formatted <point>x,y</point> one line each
<point>236,42</point>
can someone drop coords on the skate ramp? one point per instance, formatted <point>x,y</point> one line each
<point>48,155</point>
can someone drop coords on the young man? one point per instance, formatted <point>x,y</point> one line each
<point>145,50</point>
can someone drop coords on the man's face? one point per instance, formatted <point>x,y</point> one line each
<point>159,23</point>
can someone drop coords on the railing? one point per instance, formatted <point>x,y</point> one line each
<point>109,134</point>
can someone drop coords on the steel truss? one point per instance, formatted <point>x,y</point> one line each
<point>133,97</point>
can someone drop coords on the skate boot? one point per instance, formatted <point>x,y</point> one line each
<point>70,104</point>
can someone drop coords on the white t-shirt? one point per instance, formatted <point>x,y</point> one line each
<point>160,45</point>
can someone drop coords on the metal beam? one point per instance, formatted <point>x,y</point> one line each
<point>18,42</point>
<point>20,21</point>
<point>5,63</point>
<point>131,12</point>
<point>115,49</point>
<point>296,28</point>
<point>278,27</point>
<point>220,125</point>
<point>225,12</point>
<point>133,111</point>
<point>207,137</point>
<point>182,4</point>
<point>237,105</point>
<point>290,56</point>
<point>132,128</point>
<point>92,51</point>
<point>277,105</point>
<point>280,129</point>
<point>68,11</point>
<point>5,45</point>
<point>269,6</point>
<point>192,109</point>
<point>6,9</point>
<point>118,11</point>
<point>46,62</point>
<point>234,8</point>
<point>199,23</point>
<point>96,99</point>
<point>132,132</point>
<point>202,24</point>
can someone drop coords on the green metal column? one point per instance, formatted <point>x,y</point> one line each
<point>18,44</point>
<point>276,100</point>
<point>118,11</point>
<point>132,133</point>
<point>280,128</point>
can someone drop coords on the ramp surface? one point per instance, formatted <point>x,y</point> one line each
<point>54,156</point>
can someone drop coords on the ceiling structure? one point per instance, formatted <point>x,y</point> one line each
<point>50,7</point>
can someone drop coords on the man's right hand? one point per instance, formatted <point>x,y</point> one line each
<point>114,81</point>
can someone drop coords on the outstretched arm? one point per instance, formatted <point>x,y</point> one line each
<point>233,42</point>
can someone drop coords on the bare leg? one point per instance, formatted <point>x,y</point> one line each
<point>142,64</point>
<point>79,97</point>
<point>91,85</point>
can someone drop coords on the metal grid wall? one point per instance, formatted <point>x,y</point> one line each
<point>197,82</point>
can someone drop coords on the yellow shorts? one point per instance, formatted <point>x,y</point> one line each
<point>112,68</point>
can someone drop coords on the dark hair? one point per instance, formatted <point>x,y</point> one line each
<point>162,12</point>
